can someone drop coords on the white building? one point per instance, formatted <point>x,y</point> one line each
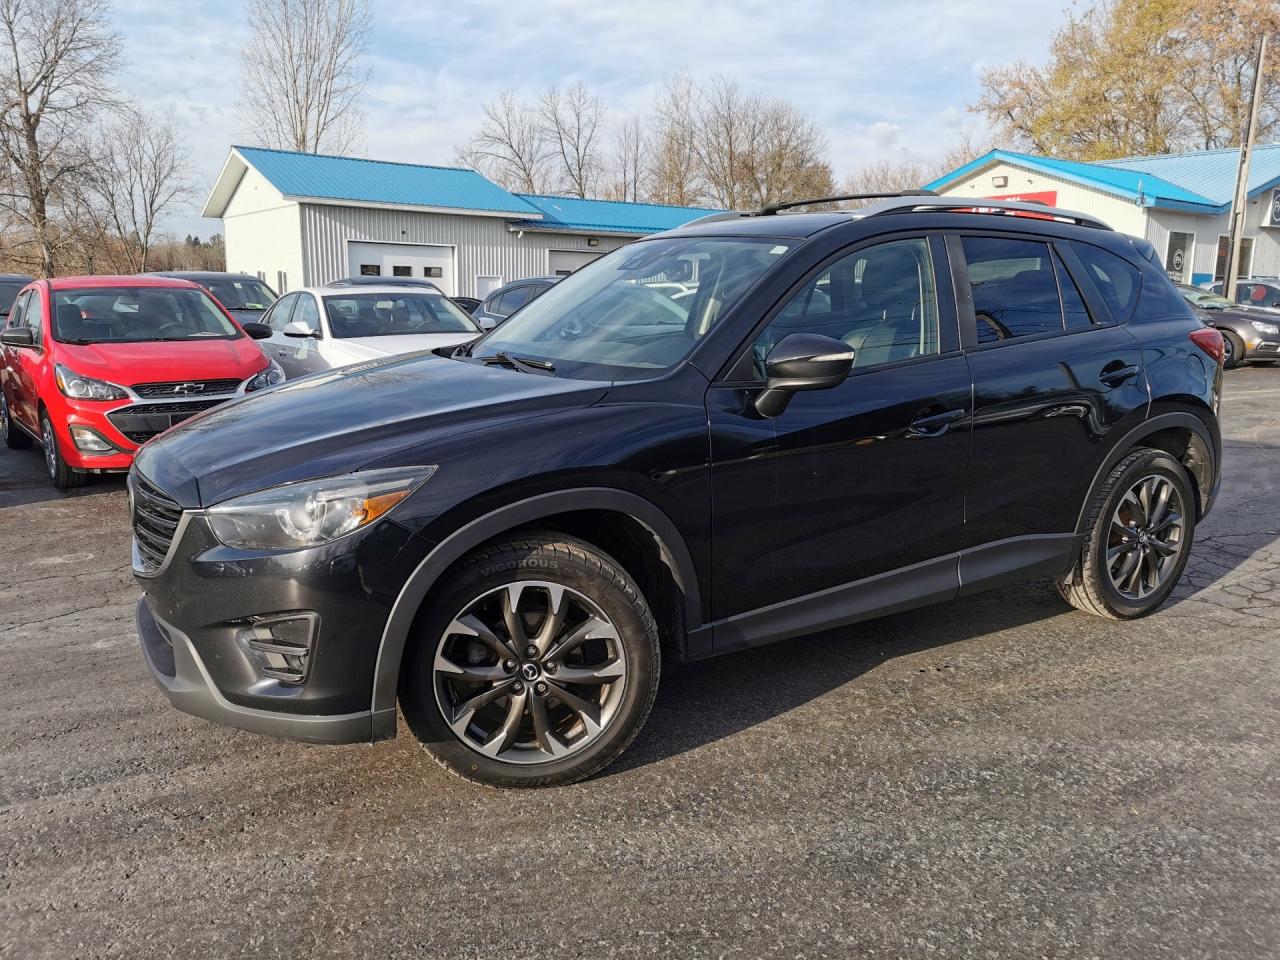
<point>300,219</point>
<point>1179,202</point>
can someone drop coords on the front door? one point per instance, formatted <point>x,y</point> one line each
<point>850,483</point>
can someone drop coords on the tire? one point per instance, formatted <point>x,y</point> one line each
<point>15,438</point>
<point>61,476</point>
<point>1098,584</point>
<point>523,735</point>
<point>1233,348</point>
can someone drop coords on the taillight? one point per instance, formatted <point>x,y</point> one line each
<point>1210,341</point>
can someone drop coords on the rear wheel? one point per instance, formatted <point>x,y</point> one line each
<point>60,475</point>
<point>1138,538</point>
<point>15,438</point>
<point>537,664</point>
<point>1232,350</point>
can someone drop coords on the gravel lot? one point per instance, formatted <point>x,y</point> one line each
<point>1000,777</point>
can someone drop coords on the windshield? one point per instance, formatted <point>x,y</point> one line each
<point>1203,298</point>
<point>9,290</point>
<point>134,314</point>
<point>637,311</point>
<point>395,314</point>
<point>246,294</point>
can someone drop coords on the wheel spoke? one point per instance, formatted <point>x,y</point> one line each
<point>511,615</point>
<point>505,735</point>
<point>586,711</point>
<point>547,738</point>
<point>473,673</point>
<point>1161,505</point>
<point>464,711</point>
<point>1131,558</point>
<point>604,673</point>
<point>1171,518</point>
<point>593,628</point>
<point>472,626</point>
<point>553,622</point>
<point>1163,547</point>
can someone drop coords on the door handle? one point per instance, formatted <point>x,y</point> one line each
<point>934,424</point>
<point>1117,372</point>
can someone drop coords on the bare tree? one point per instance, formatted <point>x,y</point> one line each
<point>144,175</point>
<point>674,172</point>
<point>571,123</point>
<point>303,71</point>
<point>59,60</point>
<point>511,146</point>
<point>627,172</point>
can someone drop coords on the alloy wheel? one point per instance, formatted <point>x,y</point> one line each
<point>4,418</point>
<point>1228,352</point>
<point>50,447</point>
<point>1147,537</point>
<point>529,672</point>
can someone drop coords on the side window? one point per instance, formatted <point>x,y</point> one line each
<point>281,312</point>
<point>537,289</point>
<point>882,301</point>
<point>33,315</point>
<point>16,318</point>
<point>512,300</point>
<point>1015,290</point>
<point>1159,298</point>
<point>1074,312</point>
<point>1117,280</point>
<point>307,312</point>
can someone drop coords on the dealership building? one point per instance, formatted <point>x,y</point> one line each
<point>300,219</point>
<point>1179,202</point>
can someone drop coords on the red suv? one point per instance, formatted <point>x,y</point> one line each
<point>94,367</point>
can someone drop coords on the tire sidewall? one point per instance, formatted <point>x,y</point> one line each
<point>1236,347</point>
<point>531,562</point>
<point>1156,463</point>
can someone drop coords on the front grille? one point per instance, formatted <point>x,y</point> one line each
<point>185,388</point>
<point>155,521</point>
<point>142,421</point>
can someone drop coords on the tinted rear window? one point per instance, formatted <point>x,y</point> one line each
<point>1117,280</point>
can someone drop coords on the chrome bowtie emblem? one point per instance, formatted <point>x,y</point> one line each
<point>188,387</point>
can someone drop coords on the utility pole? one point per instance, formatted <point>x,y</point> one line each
<point>1239,205</point>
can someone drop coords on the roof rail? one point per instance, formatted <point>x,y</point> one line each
<point>773,208</point>
<point>1009,208</point>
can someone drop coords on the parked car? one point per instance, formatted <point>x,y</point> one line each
<point>1248,333</point>
<point>468,304</point>
<point>10,284</point>
<point>381,282</point>
<point>512,537</point>
<point>1261,293</point>
<point>323,327</point>
<point>94,367</point>
<point>506,300</point>
<point>245,297</point>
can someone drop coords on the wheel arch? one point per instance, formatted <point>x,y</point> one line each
<point>1182,434</point>
<point>547,510</point>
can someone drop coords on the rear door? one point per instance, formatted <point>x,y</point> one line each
<point>307,354</point>
<point>1056,378</point>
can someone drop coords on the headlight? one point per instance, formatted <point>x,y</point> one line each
<point>85,388</point>
<point>1261,327</point>
<point>268,376</point>
<point>313,512</point>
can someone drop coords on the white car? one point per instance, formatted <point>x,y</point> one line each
<point>323,327</point>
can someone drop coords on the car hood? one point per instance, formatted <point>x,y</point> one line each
<point>368,348</point>
<point>163,362</point>
<point>340,420</point>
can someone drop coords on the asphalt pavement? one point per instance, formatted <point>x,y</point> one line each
<point>1001,777</point>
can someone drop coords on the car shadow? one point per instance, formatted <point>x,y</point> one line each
<point>23,480</point>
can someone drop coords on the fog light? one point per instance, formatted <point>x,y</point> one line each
<point>90,441</point>
<point>281,644</point>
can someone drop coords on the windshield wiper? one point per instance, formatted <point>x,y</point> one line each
<point>523,364</point>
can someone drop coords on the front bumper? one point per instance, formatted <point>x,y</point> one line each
<point>181,674</point>
<point>204,604</point>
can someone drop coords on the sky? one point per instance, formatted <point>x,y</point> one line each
<point>884,79</point>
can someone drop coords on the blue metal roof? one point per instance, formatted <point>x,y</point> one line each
<point>377,181</point>
<point>608,216</point>
<point>1211,173</point>
<point>1131,184</point>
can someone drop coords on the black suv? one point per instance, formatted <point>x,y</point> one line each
<point>745,430</point>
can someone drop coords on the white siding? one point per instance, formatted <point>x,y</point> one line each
<point>485,246</point>
<point>263,232</point>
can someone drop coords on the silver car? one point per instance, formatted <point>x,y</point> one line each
<point>323,327</point>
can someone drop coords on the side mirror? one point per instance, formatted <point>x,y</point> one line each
<point>299,329</point>
<point>487,323</point>
<point>18,337</point>
<point>802,361</point>
<point>259,331</point>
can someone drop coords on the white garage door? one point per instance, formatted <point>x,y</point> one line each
<point>403,260</point>
<point>564,262</point>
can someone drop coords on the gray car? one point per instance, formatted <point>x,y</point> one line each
<point>1262,293</point>
<point>1249,333</point>
<point>243,296</point>
<point>506,300</point>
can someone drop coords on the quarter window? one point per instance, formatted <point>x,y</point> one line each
<point>1015,289</point>
<point>1115,279</point>
<point>882,301</point>
<point>280,313</point>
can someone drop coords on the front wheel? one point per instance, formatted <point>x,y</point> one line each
<point>1138,538</point>
<point>536,665</point>
<point>61,475</point>
<point>1232,350</point>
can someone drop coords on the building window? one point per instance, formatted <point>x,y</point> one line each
<point>433,272</point>
<point>370,270</point>
<point>1177,260</point>
<point>1246,258</point>
<point>282,282</point>
<point>399,271</point>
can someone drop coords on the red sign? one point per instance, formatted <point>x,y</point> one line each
<point>1048,197</point>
